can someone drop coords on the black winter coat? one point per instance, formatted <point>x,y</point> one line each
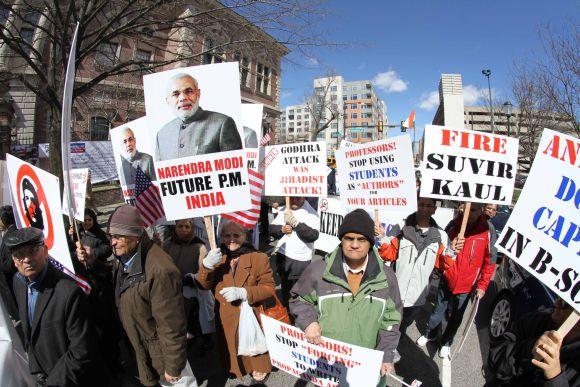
<point>60,340</point>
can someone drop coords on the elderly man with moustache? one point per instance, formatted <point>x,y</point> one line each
<point>58,335</point>
<point>194,131</point>
<point>131,158</point>
<point>357,291</point>
<point>148,297</point>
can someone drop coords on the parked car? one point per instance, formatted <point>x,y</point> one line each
<point>517,293</point>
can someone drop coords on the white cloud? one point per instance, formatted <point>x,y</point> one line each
<point>285,94</point>
<point>313,62</point>
<point>472,95</point>
<point>429,100</point>
<point>390,82</point>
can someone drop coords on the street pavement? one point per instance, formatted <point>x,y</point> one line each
<point>466,368</point>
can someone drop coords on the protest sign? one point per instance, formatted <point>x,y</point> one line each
<point>204,185</point>
<point>469,166</point>
<point>5,191</point>
<point>331,212</point>
<point>542,234</point>
<point>79,179</point>
<point>95,155</point>
<point>37,203</point>
<point>378,175</point>
<point>133,146</point>
<point>295,169</point>
<point>252,121</point>
<point>332,363</point>
<point>194,110</point>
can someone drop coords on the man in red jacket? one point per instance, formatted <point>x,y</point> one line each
<point>472,268</point>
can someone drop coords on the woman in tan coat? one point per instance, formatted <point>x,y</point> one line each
<point>234,273</point>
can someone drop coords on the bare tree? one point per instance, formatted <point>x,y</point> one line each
<point>35,37</point>
<point>322,108</point>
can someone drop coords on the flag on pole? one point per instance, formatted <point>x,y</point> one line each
<point>147,199</point>
<point>81,282</point>
<point>250,217</point>
<point>410,121</point>
<point>265,140</point>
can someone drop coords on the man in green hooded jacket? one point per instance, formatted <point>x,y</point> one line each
<point>351,295</point>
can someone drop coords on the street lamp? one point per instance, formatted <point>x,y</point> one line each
<point>487,73</point>
<point>508,112</point>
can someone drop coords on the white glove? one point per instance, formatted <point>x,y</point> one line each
<point>213,258</point>
<point>290,219</point>
<point>233,294</point>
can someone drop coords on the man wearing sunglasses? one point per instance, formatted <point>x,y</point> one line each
<point>53,310</point>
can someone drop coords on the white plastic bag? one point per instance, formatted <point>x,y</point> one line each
<point>187,379</point>
<point>251,339</point>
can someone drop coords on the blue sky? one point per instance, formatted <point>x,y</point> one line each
<point>404,46</point>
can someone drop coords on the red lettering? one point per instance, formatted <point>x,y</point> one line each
<point>472,140</point>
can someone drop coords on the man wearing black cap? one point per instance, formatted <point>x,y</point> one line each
<point>358,293</point>
<point>148,297</point>
<point>53,310</point>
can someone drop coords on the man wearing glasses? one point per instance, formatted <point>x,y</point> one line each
<point>53,310</point>
<point>131,158</point>
<point>194,131</point>
<point>148,297</point>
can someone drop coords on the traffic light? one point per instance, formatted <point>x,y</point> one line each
<point>403,129</point>
<point>380,126</point>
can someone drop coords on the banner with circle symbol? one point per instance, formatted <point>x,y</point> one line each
<point>37,203</point>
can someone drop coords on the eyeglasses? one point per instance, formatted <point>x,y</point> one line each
<point>26,252</point>
<point>187,92</point>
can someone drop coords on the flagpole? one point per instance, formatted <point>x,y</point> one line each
<point>67,98</point>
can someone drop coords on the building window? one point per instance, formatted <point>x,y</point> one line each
<point>355,88</point>
<point>344,97</point>
<point>99,129</point>
<point>107,54</point>
<point>369,135</point>
<point>333,88</point>
<point>211,55</point>
<point>335,126</point>
<point>27,34</point>
<point>299,111</point>
<point>354,115</point>
<point>263,79</point>
<point>333,97</point>
<point>353,106</point>
<point>142,55</point>
<point>244,64</point>
<point>354,96</point>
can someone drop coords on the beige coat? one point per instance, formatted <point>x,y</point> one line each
<point>253,272</point>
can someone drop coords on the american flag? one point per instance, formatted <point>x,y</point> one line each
<point>147,199</point>
<point>265,140</point>
<point>81,282</point>
<point>250,217</point>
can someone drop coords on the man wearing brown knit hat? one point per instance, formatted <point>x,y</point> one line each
<point>358,293</point>
<point>149,300</point>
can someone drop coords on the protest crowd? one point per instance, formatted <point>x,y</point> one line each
<point>254,264</point>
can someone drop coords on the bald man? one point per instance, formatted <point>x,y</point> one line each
<point>194,131</point>
<point>131,158</point>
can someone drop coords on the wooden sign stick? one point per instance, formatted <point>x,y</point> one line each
<point>465,217</point>
<point>569,323</point>
<point>210,232</point>
<point>287,209</point>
